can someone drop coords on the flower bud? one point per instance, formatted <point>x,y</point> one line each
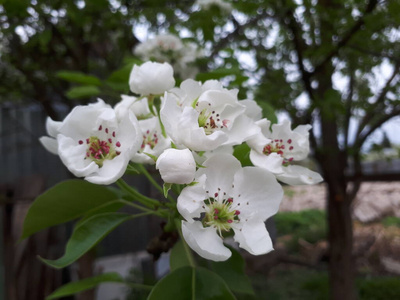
<point>151,78</point>
<point>176,166</point>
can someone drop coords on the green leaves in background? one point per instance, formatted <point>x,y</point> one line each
<point>87,234</point>
<point>85,284</point>
<point>78,77</point>
<point>85,91</point>
<point>64,202</point>
<point>191,283</point>
<point>242,153</point>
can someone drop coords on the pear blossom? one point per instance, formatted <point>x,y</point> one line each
<point>171,49</point>
<point>52,128</point>
<point>151,78</point>
<point>203,117</point>
<point>92,143</point>
<point>228,198</point>
<point>176,166</point>
<point>276,150</point>
<point>153,142</point>
<point>139,107</point>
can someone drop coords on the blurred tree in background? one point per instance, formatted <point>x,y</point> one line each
<point>331,63</point>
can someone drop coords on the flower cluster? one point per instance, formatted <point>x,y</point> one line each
<point>170,48</point>
<point>189,133</point>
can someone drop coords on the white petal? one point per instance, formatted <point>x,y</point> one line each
<point>111,170</point>
<point>220,170</point>
<point>260,193</point>
<point>52,127</point>
<point>298,175</point>
<point>253,110</point>
<point>253,237</point>
<point>191,199</point>
<point>73,157</point>
<point>272,162</point>
<point>205,241</point>
<point>50,144</point>
<point>242,129</point>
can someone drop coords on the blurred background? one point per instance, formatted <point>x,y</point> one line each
<point>330,63</point>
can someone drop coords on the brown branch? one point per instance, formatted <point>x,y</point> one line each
<point>381,97</point>
<point>347,37</point>
<point>360,139</point>
<point>375,54</point>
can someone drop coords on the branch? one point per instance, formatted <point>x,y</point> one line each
<point>376,54</point>
<point>347,37</point>
<point>360,139</point>
<point>381,97</point>
<point>235,33</point>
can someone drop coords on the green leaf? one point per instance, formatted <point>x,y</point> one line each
<point>268,111</point>
<point>85,284</point>
<point>86,235</point>
<point>64,202</point>
<point>178,257</point>
<point>166,188</point>
<point>242,153</point>
<point>78,77</point>
<point>85,91</point>
<point>232,271</point>
<point>191,283</point>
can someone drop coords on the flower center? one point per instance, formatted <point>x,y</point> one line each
<point>99,150</point>
<point>150,139</point>
<point>220,213</point>
<point>281,148</point>
<point>209,119</point>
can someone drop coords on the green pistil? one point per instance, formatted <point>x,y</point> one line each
<point>203,117</point>
<point>220,215</point>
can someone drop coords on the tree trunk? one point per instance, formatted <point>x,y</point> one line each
<point>340,237</point>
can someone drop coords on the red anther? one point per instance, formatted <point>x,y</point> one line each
<point>118,144</point>
<point>216,195</point>
<point>291,148</point>
<point>118,152</point>
<point>230,200</point>
<point>290,159</point>
<point>229,221</point>
<point>87,141</point>
<point>100,127</point>
<point>148,131</point>
<point>289,141</point>
<point>106,130</point>
<point>110,141</point>
<point>280,152</point>
<point>113,134</point>
<point>216,211</point>
<point>237,212</point>
<point>283,147</point>
<point>80,142</point>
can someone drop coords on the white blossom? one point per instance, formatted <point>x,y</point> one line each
<point>276,150</point>
<point>205,117</point>
<point>228,198</point>
<point>170,48</point>
<point>92,143</point>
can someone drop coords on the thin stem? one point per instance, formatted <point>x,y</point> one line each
<point>149,202</point>
<point>154,182</point>
<point>158,212</point>
<point>188,252</point>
